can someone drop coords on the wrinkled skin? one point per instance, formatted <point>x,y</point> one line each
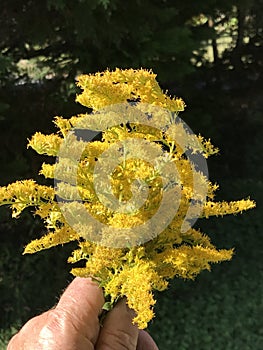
<point>74,324</point>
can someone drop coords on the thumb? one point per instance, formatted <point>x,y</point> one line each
<point>72,324</point>
<point>80,305</point>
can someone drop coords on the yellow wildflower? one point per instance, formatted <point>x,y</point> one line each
<point>130,196</point>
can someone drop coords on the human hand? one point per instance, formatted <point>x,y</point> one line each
<point>74,324</point>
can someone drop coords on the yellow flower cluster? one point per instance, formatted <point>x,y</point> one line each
<point>138,268</point>
<point>108,88</point>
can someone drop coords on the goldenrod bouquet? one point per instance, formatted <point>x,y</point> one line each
<point>130,180</point>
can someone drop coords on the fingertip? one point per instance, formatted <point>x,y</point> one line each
<point>82,291</point>
<point>145,341</point>
<point>118,330</point>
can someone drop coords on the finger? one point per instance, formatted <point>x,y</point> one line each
<point>27,337</point>
<point>118,332</point>
<point>145,342</point>
<point>81,304</point>
<point>73,324</point>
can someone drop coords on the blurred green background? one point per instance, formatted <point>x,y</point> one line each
<point>207,52</point>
